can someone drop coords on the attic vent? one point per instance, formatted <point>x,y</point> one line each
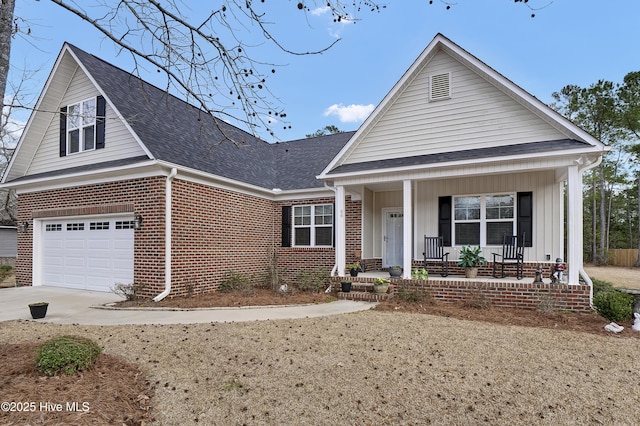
<point>440,87</point>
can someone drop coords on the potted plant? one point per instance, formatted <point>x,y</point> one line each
<point>395,271</point>
<point>38,309</point>
<point>381,285</point>
<point>346,286</point>
<point>354,268</point>
<point>470,258</point>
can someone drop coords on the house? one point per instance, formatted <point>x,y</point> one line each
<point>149,189</point>
<point>8,243</point>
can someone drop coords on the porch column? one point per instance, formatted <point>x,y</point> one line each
<point>574,223</point>
<point>407,234</point>
<point>340,244</point>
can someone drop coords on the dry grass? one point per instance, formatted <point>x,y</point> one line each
<point>618,276</point>
<point>371,368</point>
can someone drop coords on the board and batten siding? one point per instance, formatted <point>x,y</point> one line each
<point>548,224</point>
<point>119,142</point>
<point>478,115</point>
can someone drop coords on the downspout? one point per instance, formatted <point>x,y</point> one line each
<point>167,236</point>
<point>335,261</point>
<point>582,272</point>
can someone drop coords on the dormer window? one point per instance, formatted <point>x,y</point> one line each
<point>440,87</point>
<point>82,126</point>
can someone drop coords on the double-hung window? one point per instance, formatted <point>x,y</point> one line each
<point>81,126</point>
<point>483,219</point>
<point>313,225</point>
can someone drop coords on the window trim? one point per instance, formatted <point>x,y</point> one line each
<point>312,226</point>
<point>483,221</point>
<point>81,126</point>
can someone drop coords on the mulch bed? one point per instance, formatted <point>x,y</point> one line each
<point>113,391</point>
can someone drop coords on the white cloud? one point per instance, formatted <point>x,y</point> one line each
<point>320,10</point>
<point>350,113</point>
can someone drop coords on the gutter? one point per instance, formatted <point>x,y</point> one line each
<point>167,237</point>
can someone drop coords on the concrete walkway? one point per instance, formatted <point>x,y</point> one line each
<point>68,306</point>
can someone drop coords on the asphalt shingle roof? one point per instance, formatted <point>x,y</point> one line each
<point>179,133</point>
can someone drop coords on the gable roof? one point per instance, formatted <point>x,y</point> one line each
<point>176,132</point>
<point>561,128</point>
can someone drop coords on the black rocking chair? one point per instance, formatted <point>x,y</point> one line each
<point>434,250</point>
<point>512,253</point>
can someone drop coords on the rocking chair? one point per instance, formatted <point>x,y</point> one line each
<point>434,250</point>
<point>512,253</point>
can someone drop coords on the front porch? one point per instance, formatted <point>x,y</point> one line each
<point>499,292</point>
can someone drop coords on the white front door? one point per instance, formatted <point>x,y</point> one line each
<point>392,252</point>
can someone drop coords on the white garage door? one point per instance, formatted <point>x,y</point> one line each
<point>87,253</point>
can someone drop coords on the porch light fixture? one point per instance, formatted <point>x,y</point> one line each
<point>137,222</point>
<point>24,227</point>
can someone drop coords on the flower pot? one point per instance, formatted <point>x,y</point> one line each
<point>346,286</point>
<point>353,272</point>
<point>395,272</point>
<point>380,288</point>
<point>470,272</point>
<point>38,310</point>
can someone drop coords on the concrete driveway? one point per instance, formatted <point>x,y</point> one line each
<point>68,306</point>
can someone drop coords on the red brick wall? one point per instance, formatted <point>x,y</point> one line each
<point>216,231</point>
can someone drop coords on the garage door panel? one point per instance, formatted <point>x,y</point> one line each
<point>87,253</point>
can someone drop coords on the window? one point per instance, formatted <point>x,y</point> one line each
<point>313,225</point>
<point>81,126</point>
<point>483,219</point>
<point>54,227</point>
<point>75,226</point>
<point>98,226</point>
<point>124,224</point>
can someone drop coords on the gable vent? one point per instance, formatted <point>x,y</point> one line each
<point>440,87</point>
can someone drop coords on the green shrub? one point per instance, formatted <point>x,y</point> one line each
<point>236,282</point>
<point>600,286</point>
<point>67,354</point>
<point>314,281</point>
<point>614,305</point>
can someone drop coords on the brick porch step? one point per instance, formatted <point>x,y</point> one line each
<point>365,296</point>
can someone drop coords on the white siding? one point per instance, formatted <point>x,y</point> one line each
<point>119,143</point>
<point>547,226</point>
<point>478,115</point>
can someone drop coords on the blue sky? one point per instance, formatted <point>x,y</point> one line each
<point>568,42</point>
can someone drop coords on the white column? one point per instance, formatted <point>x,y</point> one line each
<point>574,223</point>
<point>340,231</point>
<point>407,234</point>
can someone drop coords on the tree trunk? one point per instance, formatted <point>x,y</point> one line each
<point>6,29</point>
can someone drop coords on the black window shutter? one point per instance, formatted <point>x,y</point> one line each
<point>334,224</point>
<point>101,108</point>
<point>286,226</point>
<point>525,217</point>
<point>444,220</point>
<point>63,131</point>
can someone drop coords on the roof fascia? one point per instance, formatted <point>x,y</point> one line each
<point>573,153</point>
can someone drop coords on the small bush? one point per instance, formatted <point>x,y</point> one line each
<point>5,271</point>
<point>128,291</point>
<point>478,300</point>
<point>67,354</point>
<point>614,305</point>
<point>314,281</point>
<point>236,282</point>
<point>415,296</point>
